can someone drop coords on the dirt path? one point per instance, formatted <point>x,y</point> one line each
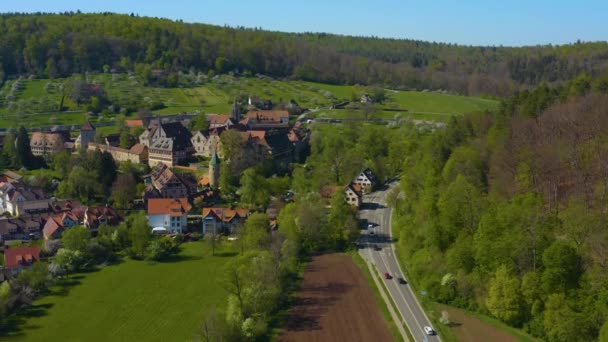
<point>335,303</point>
<point>470,329</point>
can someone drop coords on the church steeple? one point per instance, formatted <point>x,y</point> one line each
<point>214,170</point>
<point>235,112</point>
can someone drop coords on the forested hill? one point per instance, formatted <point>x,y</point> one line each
<point>53,45</point>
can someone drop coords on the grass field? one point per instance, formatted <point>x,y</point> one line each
<point>131,301</point>
<point>216,96</point>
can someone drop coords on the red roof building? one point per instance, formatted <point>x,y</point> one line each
<point>20,257</point>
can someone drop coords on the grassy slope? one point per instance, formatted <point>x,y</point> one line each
<point>218,96</point>
<point>133,301</point>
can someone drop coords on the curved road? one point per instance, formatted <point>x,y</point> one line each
<point>379,249</point>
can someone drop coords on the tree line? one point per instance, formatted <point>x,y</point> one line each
<point>57,45</point>
<point>505,213</point>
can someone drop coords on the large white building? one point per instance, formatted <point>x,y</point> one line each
<point>169,213</point>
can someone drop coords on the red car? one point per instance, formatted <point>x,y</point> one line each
<point>387,276</point>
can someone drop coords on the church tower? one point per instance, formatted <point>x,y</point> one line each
<point>214,170</point>
<point>235,112</point>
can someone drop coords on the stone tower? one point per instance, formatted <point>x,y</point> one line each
<point>235,112</point>
<point>87,135</point>
<point>214,170</point>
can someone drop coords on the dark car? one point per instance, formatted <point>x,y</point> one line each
<point>387,276</point>
<point>401,280</point>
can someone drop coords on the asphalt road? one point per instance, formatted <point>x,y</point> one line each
<point>378,248</point>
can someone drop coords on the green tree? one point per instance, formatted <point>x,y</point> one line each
<point>140,235</point>
<point>70,261</point>
<point>76,238</point>
<point>342,223</point>
<point>24,154</point>
<point>124,190</point>
<point>561,322</point>
<point>81,184</point>
<point>504,297</point>
<point>125,139</point>
<point>562,267</point>
<point>460,207</point>
<point>199,123</point>
<point>254,189</point>
<point>62,163</point>
<point>231,144</point>
<point>256,232</point>
<point>37,277</point>
<point>10,148</point>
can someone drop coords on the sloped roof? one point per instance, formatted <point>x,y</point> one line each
<point>27,255</point>
<point>134,123</point>
<point>87,126</point>
<point>138,149</point>
<point>267,116</point>
<point>369,174</point>
<point>225,214</point>
<point>168,206</point>
<point>48,139</point>
<point>219,119</point>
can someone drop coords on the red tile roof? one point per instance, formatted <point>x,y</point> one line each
<point>134,123</point>
<point>20,256</point>
<point>168,206</point>
<point>270,116</point>
<point>226,214</point>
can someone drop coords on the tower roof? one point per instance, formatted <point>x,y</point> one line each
<point>87,127</point>
<point>215,161</point>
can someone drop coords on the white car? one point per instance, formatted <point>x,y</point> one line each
<point>370,226</point>
<point>428,330</point>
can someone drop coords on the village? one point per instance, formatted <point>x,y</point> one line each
<point>180,190</point>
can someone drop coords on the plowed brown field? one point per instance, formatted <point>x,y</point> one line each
<point>335,303</point>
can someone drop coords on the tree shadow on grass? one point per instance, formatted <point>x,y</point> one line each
<point>226,254</point>
<point>17,325</point>
<point>64,285</point>
<point>177,258</point>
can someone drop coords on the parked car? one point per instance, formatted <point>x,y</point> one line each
<point>429,331</point>
<point>370,226</point>
<point>387,276</point>
<point>371,233</point>
<point>401,280</point>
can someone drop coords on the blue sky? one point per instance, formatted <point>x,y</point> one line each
<point>490,22</point>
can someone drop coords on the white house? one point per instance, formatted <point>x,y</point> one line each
<point>169,213</point>
<point>366,180</point>
<point>352,194</point>
<point>16,199</point>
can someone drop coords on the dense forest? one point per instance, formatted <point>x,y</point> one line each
<point>506,214</point>
<point>53,45</point>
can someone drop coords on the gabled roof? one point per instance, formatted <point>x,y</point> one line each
<point>134,123</point>
<point>267,116</point>
<point>18,256</point>
<point>369,174</point>
<point>168,206</point>
<point>219,119</point>
<point>96,214</point>
<point>46,139</point>
<point>225,214</point>
<point>87,126</point>
<point>356,188</point>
